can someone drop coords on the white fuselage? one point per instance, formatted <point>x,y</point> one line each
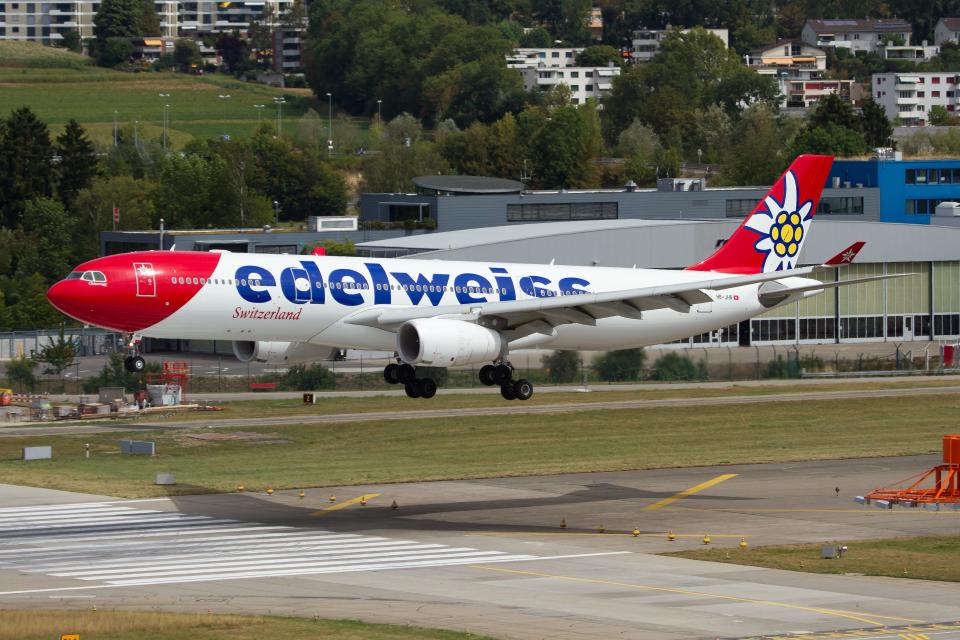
<point>251,297</point>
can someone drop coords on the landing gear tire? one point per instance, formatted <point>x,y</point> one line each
<point>426,387</point>
<point>522,389</point>
<point>406,373</point>
<point>486,375</point>
<point>391,373</point>
<point>134,364</point>
<point>412,389</point>
<point>506,390</point>
<point>501,374</point>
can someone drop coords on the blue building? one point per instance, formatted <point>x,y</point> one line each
<point>910,190</point>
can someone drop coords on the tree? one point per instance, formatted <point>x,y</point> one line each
<point>20,373</point>
<point>113,51</point>
<point>564,143</point>
<point>114,374</point>
<point>58,355</point>
<point>26,170</point>
<point>232,49</point>
<point>536,38</point>
<point>939,116</point>
<point>148,22</point>
<point>118,19</point>
<point>562,366</point>
<point>620,366</point>
<point>48,228</point>
<point>832,109</point>
<point>78,161</point>
<point>31,309</point>
<point>186,54</point>
<point>756,152</point>
<point>599,55</point>
<point>395,167</point>
<point>71,41</point>
<point>877,129</point>
<point>92,210</point>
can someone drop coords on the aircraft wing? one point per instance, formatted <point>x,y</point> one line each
<point>540,315</point>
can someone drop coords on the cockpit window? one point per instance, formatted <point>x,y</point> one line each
<point>89,276</point>
<point>98,276</point>
<point>74,275</point>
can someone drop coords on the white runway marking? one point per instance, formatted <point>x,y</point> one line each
<point>117,545</point>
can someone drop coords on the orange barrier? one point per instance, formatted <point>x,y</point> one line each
<point>945,479</point>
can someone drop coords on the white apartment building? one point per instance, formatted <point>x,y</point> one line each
<point>912,53</point>
<point>584,82</point>
<point>646,42</point>
<point>799,69</point>
<point>946,30</point>
<point>548,57</point>
<point>46,21</point>
<point>856,35</point>
<point>908,97</point>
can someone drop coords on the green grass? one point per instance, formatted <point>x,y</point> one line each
<point>33,55</point>
<point>92,95</point>
<point>491,446</point>
<point>925,558</point>
<point>122,625</point>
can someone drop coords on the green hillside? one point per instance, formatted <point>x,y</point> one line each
<point>34,55</point>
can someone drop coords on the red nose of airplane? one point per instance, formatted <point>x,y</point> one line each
<point>68,297</point>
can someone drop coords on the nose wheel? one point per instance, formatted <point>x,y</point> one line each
<point>134,364</point>
<point>502,374</point>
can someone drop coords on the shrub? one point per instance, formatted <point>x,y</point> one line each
<point>114,374</point>
<point>562,366</point>
<point>674,366</point>
<point>303,377</point>
<point>621,365</point>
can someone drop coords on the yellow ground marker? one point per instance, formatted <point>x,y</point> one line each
<point>851,615</point>
<point>689,492</point>
<point>346,503</point>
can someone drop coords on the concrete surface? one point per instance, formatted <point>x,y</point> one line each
<point>489,556</point>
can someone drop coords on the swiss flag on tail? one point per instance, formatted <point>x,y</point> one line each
<point>771,237</point>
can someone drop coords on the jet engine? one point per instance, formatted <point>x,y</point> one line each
<point>447,343</point>
<point>280,352</point>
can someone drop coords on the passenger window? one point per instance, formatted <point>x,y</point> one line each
<point>173,280</point>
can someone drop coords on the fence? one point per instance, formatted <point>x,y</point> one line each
<point>88,341</point>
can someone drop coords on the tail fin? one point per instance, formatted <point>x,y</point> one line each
<point>771,237</point>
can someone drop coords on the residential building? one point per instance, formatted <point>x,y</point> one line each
<point>947,30</point>
<point>595,24</point>
<point>546,57</point>
<point>288,50</point>
<point>856,35</point>
<point>584,82</point>
<point>799,69</point>
<point>912,53</point>
<point>45,21</point>
<point>646,42</point>
<point>908,97</point>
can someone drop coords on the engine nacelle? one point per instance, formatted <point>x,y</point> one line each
<point>280,352</point>
<point>447,343</point>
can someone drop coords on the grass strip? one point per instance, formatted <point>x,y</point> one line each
<point>488,446</point>
<point>122,625</point>
<point>925,558</point>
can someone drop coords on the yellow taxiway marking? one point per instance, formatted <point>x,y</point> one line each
<point>914,636</point>
<point>346,503</point>
<point>864,510</point>
<point>689,492</point>
<point>702,594</point>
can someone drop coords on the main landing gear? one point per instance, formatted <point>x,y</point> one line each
<point>406,375</point>
<point>134,362</point>
<point>502,374</point>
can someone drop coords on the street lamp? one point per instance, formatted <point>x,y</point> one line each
<point>279,102</point>
<point>258,107</point>
<point>276,210</point>
<point>379,112</point>
<point>329,124</point>
<point>225,97</point>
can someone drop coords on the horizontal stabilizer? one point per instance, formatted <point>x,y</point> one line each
<point>776,296</point>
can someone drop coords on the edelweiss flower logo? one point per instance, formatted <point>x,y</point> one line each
<point>782,227</point>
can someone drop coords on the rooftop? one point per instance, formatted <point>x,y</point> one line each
<point>468,184</point>
<point>829,26</point>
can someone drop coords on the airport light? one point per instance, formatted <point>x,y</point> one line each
<point>279,102</point>
<point>329,124</point>
<point>224,97</point>
<point>259,107</point>
<point>166,112</point>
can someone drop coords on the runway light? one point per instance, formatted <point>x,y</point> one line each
<point>301,494</point>
<point>269,491</point>
<point>333,498</point>
<point>394,505</point>
<point>563,523</point>
<point>600,529</point>
<point>240,488</point>
<point>706,539</point>
<point>743,543</point>
<point>636,532</point>
<point>671,536</point>
<point>363,501</point>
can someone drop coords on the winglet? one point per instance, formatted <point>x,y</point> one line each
<point>846,256</point>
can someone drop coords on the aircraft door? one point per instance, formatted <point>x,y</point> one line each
<point>146,280</point>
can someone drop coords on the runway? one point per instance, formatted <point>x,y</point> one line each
<point>489,556</point>
<point>506,408</point>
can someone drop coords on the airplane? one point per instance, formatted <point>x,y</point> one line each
<point>282,309</point>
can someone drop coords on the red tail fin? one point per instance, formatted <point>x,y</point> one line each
<point>771,237</point>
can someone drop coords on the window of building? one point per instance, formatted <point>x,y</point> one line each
<point>574,74</point>
<point>816,329</point>
<point>31,7</point>
<point>840,206</point>
<point>921,94</point>
<point>773,330</point>
<point>862,327</point>
<point>934,94</point>
<point>559,212</point>
<point>588,87</point>
<point>569,54</point>
<point>574,87</point>
<point>739,208</point>
<point>936,80</point>
<point>554,54</point>
<point>922,207</point>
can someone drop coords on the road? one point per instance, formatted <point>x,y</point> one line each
<point>506,408</point>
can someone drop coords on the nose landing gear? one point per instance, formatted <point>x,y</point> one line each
<point>502,374</point>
